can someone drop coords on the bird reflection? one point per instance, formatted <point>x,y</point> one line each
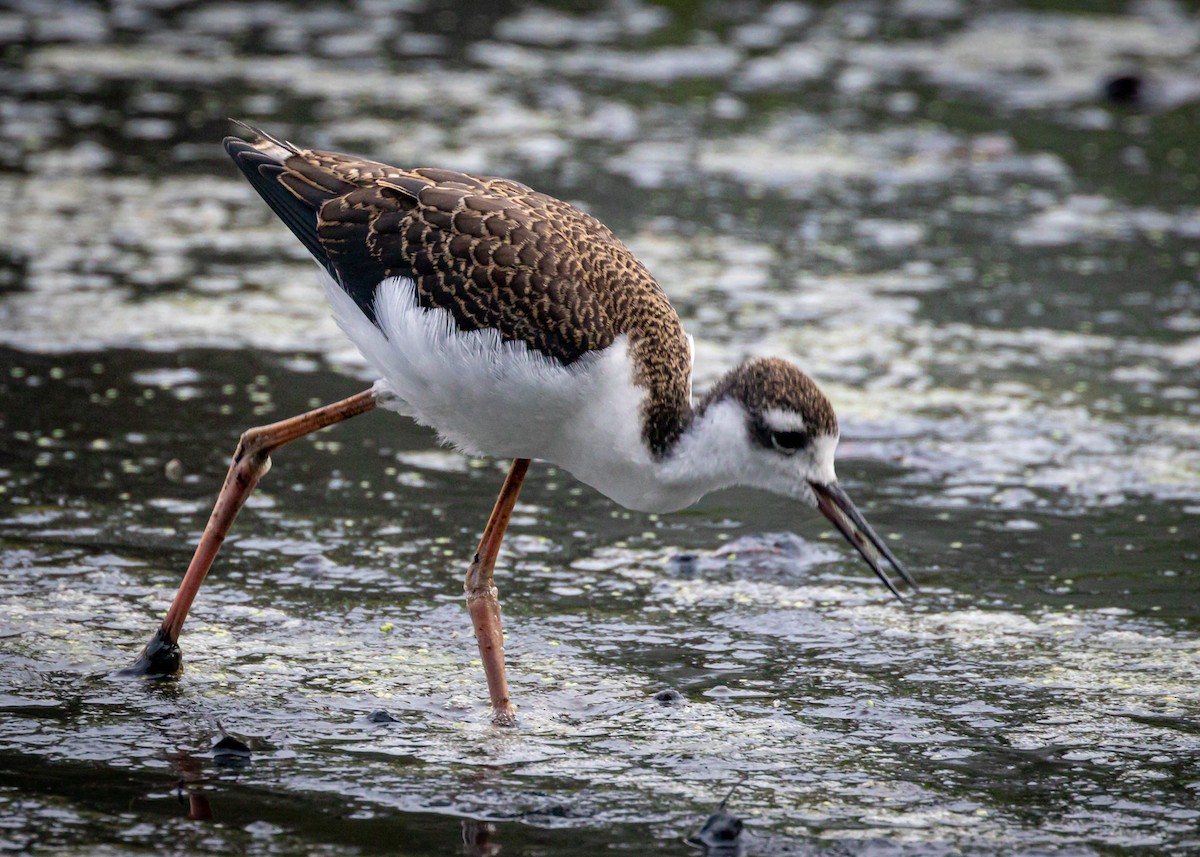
<point>191,775</point>
<point>478,838</point>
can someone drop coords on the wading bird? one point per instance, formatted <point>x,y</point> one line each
<point>519,327</point>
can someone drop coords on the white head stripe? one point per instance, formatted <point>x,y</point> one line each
<point>781,420</point>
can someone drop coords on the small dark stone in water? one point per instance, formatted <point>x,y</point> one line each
<point>669,696</point>
<point>1127,89</point>
<point>229,752</point>
<point>174,471</point>
<point>685,564</point>
<point>160,659</point>
<point>314,562</point>
<point>381,716</point>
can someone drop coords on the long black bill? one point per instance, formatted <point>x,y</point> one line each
<point>836,506</point>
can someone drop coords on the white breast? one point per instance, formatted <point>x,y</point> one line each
<point>495,398</point>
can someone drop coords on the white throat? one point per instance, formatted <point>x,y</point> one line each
<point>717,452</point>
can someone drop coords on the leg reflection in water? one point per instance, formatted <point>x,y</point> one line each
<point>191,776</point>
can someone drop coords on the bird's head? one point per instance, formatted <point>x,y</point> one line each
<point>784,433</point>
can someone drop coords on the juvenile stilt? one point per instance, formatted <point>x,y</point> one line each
<point>518,324</point>
<point>483,602</point>
<point>251,460</point>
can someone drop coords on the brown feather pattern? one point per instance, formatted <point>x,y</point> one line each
<point>768,383</point>
<point>495,254</point>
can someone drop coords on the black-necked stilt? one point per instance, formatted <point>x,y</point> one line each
<point>517,326</point>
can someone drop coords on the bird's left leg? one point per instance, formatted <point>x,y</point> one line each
<point>251,460</point>
<point>483,601</point>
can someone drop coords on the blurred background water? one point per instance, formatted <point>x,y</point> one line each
<point>977,226</point>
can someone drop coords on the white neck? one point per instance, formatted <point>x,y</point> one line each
<point>710,455</point>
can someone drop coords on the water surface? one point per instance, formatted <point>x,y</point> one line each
<point>987,262</point>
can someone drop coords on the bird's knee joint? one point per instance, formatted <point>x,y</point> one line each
<point>250,441</point>
<point>481,590</point>
<point>478,577</point>
<point>253,450</point>
<point>249,467</point>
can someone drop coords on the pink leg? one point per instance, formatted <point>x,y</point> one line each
<point>483,602</point>
<point>251,460</point>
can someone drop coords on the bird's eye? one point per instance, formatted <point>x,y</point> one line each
<point>789,442</point>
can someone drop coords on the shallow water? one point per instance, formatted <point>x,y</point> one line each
<point>989,266</point>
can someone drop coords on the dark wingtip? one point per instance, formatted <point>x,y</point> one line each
<point>236,147</point>
<point>260,134</point>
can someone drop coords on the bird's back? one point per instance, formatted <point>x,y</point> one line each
<point>493,253</point>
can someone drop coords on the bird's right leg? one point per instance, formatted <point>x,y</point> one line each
<point>251,460</point>
<point>483,601</point>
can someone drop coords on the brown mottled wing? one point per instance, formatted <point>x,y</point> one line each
<point>492,252</point>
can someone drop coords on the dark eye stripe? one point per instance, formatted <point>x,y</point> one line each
<point>790,441</point>
<point>786,442</point>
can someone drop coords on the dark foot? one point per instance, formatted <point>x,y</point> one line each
<point>160,658</point>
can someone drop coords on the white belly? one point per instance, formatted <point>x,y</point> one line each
<point>489,397</point>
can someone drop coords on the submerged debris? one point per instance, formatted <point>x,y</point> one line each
<point>230,752</point>
<point>763,556</point>
<point>669,697</point>
<point>721,835</point>
<point>1125,89</point>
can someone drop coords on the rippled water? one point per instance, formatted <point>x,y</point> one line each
<point>989,264</point>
